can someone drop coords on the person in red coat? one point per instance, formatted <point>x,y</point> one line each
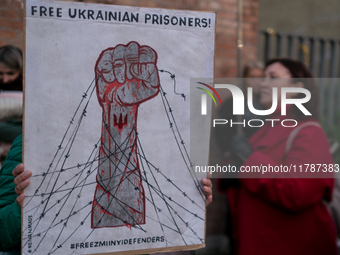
<point>284,212</point>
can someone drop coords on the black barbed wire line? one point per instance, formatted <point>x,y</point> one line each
<point>172,217</point>
<point>60,145</point>
<point>134,226</point>
<point>194,177</point>
<point>80,185</point>
<point>92,184</point>
<point>170,181</point>
<point>172,229</point>
<point>140,147</point>
<point>164,94</point>
<point>68,169</point>
<point>82,222</point>
<point>186,223</point>
<point>89,203</point>
<point>49,195</point>
<point>59,246</point>
<point>123,174</point>
<point>70,142</point>
<point>159,193</point>
<point>178,204</point>
<point>143,178</point>
<point>103,194</point>
<point>125,166</point>
<point>59,222</point>
<point>63,138</point>
<point>63,170</point>
<point>156,208</point>
<point>144,158</point>
<point>164,71</point>
<point>176,213</point>
<point>169,198</point>
<point>59,190</point>
<point>113,195</point>
<point>173,77</point>
<point>71,191</point>
<point>56,181</point>
<point>150,164</point>
<point>122,220</point>
<point>78,196</point>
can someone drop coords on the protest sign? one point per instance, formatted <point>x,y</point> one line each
<point>107,128</point>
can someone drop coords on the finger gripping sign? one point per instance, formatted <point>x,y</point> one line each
<point>107,128</point>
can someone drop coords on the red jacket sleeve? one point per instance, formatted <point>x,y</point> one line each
<point>293,191</point>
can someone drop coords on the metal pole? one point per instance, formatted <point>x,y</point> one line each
<point>322,58</point>
<point>331,85</point>
<point>279,45</point>
<point>321,75</point>
<point>301,50</point>
<point>239,38</point>
<point>239,55</point>
<point>290,45</point>
<point>338,85</point>
<point>312,54</point>
<point>267,46</point>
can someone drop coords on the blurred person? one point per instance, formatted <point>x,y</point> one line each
<point>11,65</point>
<point>14,179</point>
<point>251,77</point>
<point>11,96</point>
<point>276,212</point>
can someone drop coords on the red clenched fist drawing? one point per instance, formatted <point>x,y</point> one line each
<point>126,76</point>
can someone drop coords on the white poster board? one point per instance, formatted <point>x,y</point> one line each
<point>107,130</point>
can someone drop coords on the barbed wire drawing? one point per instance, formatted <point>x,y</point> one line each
<point>129,190</point>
